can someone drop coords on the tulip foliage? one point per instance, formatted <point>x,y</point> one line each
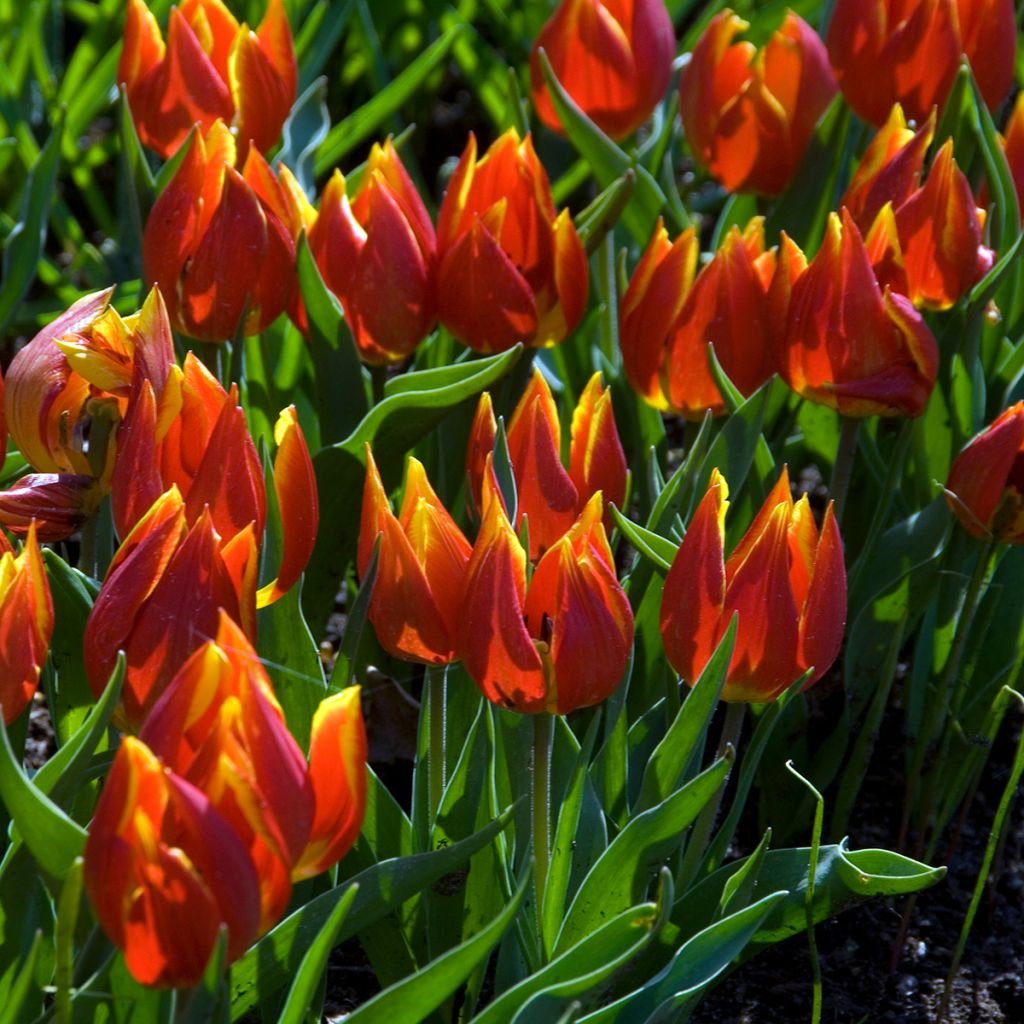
<point>430,544</point>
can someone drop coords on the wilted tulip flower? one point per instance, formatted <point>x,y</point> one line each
<point>219,726</point>
<point>165,871</point>
<point>216,249</point>
<point>986,481</point>
<point>668,319</point>
<point>210,68</point>
<point>162,598</point>
<point>849,345</point>
<point>26,624</point>
<point>549,496</point>
<point>749,114</point>
<point>421,568</point>
<point>558,643</point>
<point>377,255</point>
<point>786,581</point>
<point>908,52</point>
<point>510,269</point>
<point>613,58</point>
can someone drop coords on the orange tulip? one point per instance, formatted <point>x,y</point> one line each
<point>668,319</point>
<point>849,345</point>
<point>162,597</point>
<point>219,726</point>
<point>510,270</point>
<point>986,481</point>
<point>217,250</point>
<point>749,114</point>
<point>417,594</point>
<point>556,644</point>
<point>210,68</point>
<point>26,624</point>
<point>549,497</point>
<point>613,58</point>
<point>165,871</point>
<point>377,255</point>
<point>908,52</point>
<point>786,581</point>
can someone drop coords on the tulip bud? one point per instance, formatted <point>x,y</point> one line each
<point>785,580</point>
<point>417,593</point>
<point>986,481</point>
<point>26,624</point>
<point>210,68</point>
<point>749,114</point>
<point>377,255</point>
<point>165,872</point>
<point>216,251</point>
<point>848,345</point>
<point>613,59</point>
<point>510,270</point>
<point>58,503</point>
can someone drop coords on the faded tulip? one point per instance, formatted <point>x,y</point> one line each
<point>510,269</point>
<point>785,580</point>
<point>614,58</point>
<point>749,114</point>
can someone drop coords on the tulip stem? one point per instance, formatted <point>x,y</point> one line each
<point>437,699</point>
<point>543,727</point>
<point>846,452</point>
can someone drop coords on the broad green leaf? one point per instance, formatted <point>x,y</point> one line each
<point>411,1000</point>
<point>621,875</point>
<point>307,978</point>
<point>345,663</point>
<point>208,1001</point>
<point>658,550</point>
<point>302,134</point>
<point>138,189</point>
<point>271,963</point>
<point>739,890</point>
<point>15,1002</point>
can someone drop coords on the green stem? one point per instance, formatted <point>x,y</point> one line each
<point>543,727</point>
<point>846,452</point>
<point>88,558</point>
<point>437,703</point>
<point>994,837</point>
<point>696,847</point>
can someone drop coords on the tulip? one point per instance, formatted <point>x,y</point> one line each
<point>417,593</point>
<point>510,270</point>
<point>785,580</point>
<point>549,497</point>
<point>749,114</point>
<point>210,68</point>
<point>908,52</point>
<point>165,872</point>
<point>59,504</point>
<point>162,597</point>
<point>1013,147</point>
<point>556,644</point>
<point>986,481</point>
<point>219,726</point>
<point>613,59</point>
<point>930,247</point>
<point>668,319</point>
<point>215,249</point>
<point>377,255</point>
<point>26,623</point>
<point>849,345</point>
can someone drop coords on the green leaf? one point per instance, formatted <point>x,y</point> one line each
<point>22,988</point>
<point>304,988</point>
<point>138,189</point>
<point>688,729</point>
<point>345,663</point>
<point>620,876</point>
<point>411,1000</point>
<point>23,246</point>
<point>1005,226</point>
<point>739,890</point>
<point>302,134</point>
<point>658,550</point>
<point>581,969</point>
<point>370,117</point>
<point>52,838</point>
<point>207,1002</point>
<point>268,966</point>
<point>392,427</point>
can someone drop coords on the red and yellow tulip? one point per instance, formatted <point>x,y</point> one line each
<point>218,250</point>
<point>614,58</point>
<point>785,580</point>
<point>510,268</point>
<point>210,68</point>
<point>557,643</point>
<point>749,114</point>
